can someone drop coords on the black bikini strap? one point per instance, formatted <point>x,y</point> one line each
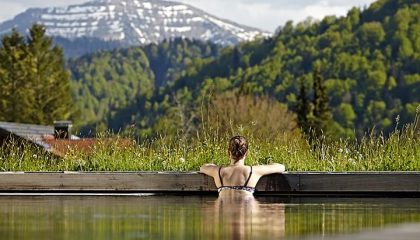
<point>249,177</point>
<point>220,176</point>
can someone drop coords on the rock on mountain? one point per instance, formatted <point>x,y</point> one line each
<point>132,22</point>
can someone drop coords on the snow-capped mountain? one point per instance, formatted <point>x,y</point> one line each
<point>132,22</point>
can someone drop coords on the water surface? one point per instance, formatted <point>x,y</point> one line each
<point>194,217</point>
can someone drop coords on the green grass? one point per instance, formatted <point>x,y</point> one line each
<point>400,151</point>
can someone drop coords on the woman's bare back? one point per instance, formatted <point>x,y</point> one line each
<point>235,175</point>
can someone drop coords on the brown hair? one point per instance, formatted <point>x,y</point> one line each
<point>238,147</point>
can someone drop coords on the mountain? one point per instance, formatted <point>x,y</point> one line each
<point>132,22</point>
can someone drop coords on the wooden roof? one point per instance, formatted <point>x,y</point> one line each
<point>30,132</point>
<point>43,136</point>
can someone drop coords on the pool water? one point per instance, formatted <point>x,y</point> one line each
<point>207,217</point>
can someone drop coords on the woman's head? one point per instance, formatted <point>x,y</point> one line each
<point>238,147</point>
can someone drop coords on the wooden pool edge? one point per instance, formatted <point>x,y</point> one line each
<point>395,184</point>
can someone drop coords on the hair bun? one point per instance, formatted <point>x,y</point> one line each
<point>238,147</point>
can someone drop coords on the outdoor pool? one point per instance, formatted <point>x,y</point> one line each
<point>207,217</point>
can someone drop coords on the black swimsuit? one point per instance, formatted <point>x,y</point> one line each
<point>243,188</point>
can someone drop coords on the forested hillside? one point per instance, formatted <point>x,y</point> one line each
<point>81,46</point>
<point>112,87</point>
<point>369,61</point>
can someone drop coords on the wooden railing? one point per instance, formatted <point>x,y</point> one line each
<point>291,183</point>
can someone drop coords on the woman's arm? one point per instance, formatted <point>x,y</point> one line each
<point>209,169</point>
<point>262,170</point>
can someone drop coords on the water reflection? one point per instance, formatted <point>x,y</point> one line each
<point>247,218</point>
<point>329,217</point>
<point>195,217</point>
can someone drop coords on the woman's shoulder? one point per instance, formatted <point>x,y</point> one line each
<point>209,169</point>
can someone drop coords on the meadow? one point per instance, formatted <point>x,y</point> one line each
<point>398,151</point>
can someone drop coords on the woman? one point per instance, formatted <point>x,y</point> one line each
<point>237,178</point>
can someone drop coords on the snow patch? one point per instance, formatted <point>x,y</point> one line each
<point>179,7</point>
<point>138,31</point>
<point>75,16</point>
<point>116,26</point>
<point>111,8</point>
<point>71,32</point>
<point>147,5</point>
<point>224,25</point>
<point>48,24</point>
<point>84,9</point>
<point>177,29</point>
<point>68,24</point>
<point>207,35</point>
<point>122,36</point>
<point>175,10</point>
<point>195,19</point>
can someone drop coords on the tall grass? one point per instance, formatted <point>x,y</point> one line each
<point>400,151</point>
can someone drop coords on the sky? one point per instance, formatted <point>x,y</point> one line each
<point>263,14</point>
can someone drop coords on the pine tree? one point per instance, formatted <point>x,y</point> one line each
<point>303,108</point>
<point>236,58</point>
<point>49,78</point>
<point>321,112</point>
<point>35,87</point>
<point>16,94</point>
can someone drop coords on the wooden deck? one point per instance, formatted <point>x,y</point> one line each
<point>291,183</point>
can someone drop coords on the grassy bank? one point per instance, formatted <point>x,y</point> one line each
<point>400,151</point>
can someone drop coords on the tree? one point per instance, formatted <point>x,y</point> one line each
<point>345,115</point>
<point>16,95</point>
<point>321,112</point>
<point>49,78</point>
<point>236,58</point>
<point>303,108</point>
<point>232,113</point>
<point>35,84</point>
<point>371,34</point>
<point>376,115</point>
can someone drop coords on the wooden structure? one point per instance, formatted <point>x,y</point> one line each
<point>22,132</point>
<point>56,139</point>
<point>292,183</point>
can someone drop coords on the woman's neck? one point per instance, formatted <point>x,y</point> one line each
<point>237,162</point>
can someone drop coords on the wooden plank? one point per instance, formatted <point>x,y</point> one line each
<point>128,181</point>
<point>360,182</point>
<point>287,183</point>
